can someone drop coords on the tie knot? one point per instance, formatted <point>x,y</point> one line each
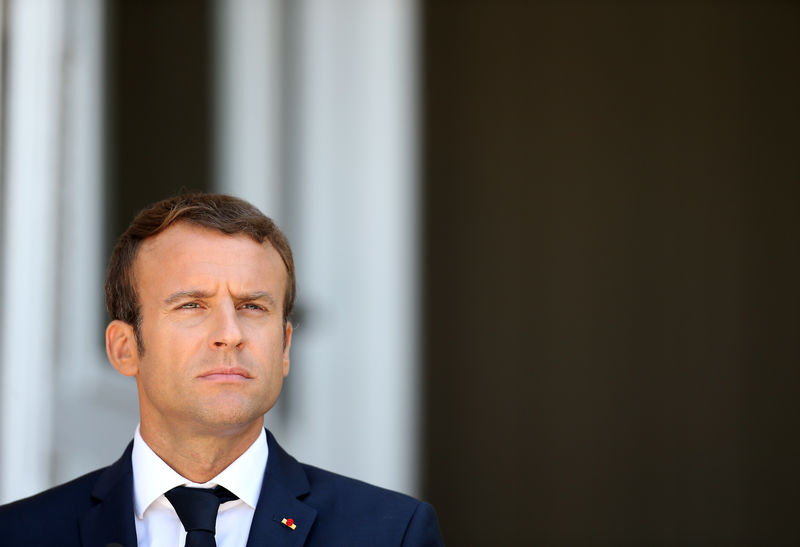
<point>197,507</point>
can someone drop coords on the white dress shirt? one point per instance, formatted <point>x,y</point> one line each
<point>157,524</point>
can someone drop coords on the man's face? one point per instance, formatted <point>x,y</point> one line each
<point>216,351</point>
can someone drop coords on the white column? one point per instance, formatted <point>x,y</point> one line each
<point>353,389</point>
<point>248,93</point>
<point>30,226</point>
<point>354,379</point>
<point>96,408</point>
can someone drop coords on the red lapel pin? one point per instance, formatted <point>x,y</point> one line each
<point>289,522</point>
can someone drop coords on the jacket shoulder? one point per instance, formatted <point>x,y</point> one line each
<point>59,506</point>
<point>370,514</point>
<point>351,493</point>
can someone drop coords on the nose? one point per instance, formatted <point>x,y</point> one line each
<point>227,332</point>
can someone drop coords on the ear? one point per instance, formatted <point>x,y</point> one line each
<point>121,348</point>
<point>287,343</point>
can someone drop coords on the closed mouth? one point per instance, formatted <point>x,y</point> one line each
<point>226,371</point>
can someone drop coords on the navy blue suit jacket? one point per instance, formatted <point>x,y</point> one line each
<point>96,510</point>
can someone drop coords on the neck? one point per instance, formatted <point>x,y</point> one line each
<point>200,456</point>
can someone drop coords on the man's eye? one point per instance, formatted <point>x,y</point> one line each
<point>189,306</point>
<point>252,307</point>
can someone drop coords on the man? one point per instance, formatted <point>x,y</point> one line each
<point>200,289</point>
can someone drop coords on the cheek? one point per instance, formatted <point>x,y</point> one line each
<point>272,354</point>
<point>168,339</point>
<point>166,354</point>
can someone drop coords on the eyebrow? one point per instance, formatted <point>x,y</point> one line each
<point>191,293</point>
<point>258,295</point>
<point>196,293</point>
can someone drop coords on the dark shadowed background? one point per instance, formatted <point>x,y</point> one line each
<point>612,272</point>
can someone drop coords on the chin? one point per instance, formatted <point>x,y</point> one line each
<point>228,417</point>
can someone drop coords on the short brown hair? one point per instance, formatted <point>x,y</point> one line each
<point>226,214</point>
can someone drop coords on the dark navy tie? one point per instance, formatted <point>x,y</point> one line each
<point>197,508</point>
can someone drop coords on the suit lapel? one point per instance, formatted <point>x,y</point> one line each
<point>284,482</point>
<point>110,521</point>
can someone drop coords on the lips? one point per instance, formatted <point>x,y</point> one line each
<point>226,372</point>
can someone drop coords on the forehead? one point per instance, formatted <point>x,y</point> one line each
<point>187,253</point>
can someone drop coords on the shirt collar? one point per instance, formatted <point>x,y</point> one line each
<point>152,476</point>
